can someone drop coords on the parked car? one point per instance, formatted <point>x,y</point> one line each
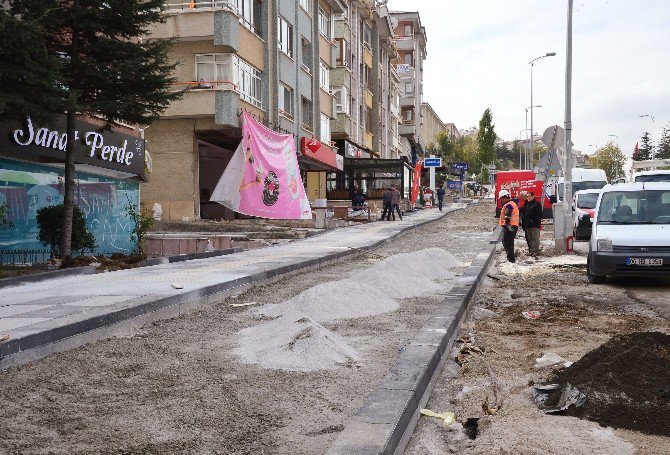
<point>583,208</point>
<point>631,232</point>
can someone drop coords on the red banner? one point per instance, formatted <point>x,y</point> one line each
<point>416,182</point>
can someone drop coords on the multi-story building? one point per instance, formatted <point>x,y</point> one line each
<point>452,131</point>
<point>431,126</point>
<point>234,55</point>
<point>411,42</point>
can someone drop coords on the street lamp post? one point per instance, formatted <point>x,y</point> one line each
<point>532,63</point>
<point>529,150</point>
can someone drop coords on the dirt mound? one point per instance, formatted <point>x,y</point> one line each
<point>626,382</point>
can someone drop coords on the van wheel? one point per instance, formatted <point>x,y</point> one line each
<point>593,279</point>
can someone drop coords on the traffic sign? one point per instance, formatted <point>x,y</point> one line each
<point>432,162</point>
<point>460,166</point>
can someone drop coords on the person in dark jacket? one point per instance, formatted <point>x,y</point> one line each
<point>440,196</point>
<point>395,202</point>
<point>388,204</point>
<point>532,221</point>
<point>357,197</point>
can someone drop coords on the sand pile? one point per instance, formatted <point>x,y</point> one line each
<point>295,340</point>
<point>626,382</point>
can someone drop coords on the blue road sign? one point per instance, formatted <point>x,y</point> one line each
<point>432,162</point>
<point>460,166</point>
<point>454,185</point>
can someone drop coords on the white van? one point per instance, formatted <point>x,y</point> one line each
<point>652,176</point>
<point>583,179</point>
<point>631,232</point>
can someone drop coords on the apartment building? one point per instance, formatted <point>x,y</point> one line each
<point>411,41</point>
<point>271,59</point>
<point>430,127</point>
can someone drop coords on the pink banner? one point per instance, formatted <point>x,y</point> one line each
<point>263,178</point>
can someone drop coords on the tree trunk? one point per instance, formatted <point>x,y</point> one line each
<point>68,192</point>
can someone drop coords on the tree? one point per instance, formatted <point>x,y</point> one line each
<point>444,145</point>
<point>27,70</point>
<point>645,148</point>
<point>486,138</point>
<point>611,159</point>
<point>50,221</point>
<point>104,67</point>
<point>663,152</point>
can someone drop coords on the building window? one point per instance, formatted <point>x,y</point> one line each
<point>223,71</point>
<point>306,5</point>
<point>324,22</point>
<point>325,129</point>
<point>324,75</point>
<point>408,30</point>
<point>285,36</point>
<point>212,70</point>
<point>342,102</point>
<point>342,52</point>
<point>408,116</point>
<point>306,55</point>
<point>367,36</point>
<point>250,14</point>
<point>409,88</point>
<point>408,58</point>
<point>306,114</point>
<point>247,78</point>
<point>286,101</point>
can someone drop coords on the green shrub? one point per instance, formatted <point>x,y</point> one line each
<point>5,223</point>
<point>49,221</point>
<point>142,225</point>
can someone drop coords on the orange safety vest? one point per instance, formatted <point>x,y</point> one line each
<point>514,220</point>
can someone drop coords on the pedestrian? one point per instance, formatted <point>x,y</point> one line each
<point>388,203</point>
<point>440,196</point>
<point>509,221</point>
<point>396,202</point>
<point>532,222</point>
<point>357,198</point>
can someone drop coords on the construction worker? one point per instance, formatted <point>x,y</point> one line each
<point>509,220</point>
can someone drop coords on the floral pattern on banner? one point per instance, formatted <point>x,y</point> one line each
<point>263,178</point>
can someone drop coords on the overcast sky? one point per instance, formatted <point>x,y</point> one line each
<point>478,54</point>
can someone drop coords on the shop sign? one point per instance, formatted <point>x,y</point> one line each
<point>402,68</point>
<point>93,146</point>
<point>322,153</point>
<point>351,151</point>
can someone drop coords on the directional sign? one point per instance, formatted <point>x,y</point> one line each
<point>460,166</point>
<point>432,162</point>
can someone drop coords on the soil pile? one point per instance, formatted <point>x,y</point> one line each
<point>626,382</point>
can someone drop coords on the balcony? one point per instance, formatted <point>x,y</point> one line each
<point>368,140</point>
<point>405,43</point>
<point>367,57</point>
<point>340,127</point>
<point>218,99</point>
<point>200,20</point>
<point>367,95</point>
<point>407,100</point>
<point>407,128</point>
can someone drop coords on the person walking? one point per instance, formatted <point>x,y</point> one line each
<point>396,202</point>
<point>440,196</point>
<point>387,199</point>
<point>532,222</point>
<point>509,221</point>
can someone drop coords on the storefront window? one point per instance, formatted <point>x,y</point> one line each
<point>25,188</point>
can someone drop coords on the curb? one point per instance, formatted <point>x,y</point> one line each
<point>44,276</point>
<point>386,421</point>
<point>35,346</point>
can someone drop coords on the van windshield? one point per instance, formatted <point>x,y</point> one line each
<point>588,185</point>
<point>587,201</point>
<point>653,178</point>
<point>635,207</point>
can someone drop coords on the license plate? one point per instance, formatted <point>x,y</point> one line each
<point>648,262</point>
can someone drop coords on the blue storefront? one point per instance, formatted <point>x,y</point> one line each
<point>110,166</point>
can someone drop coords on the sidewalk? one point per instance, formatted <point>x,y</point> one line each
<point>42,318</point>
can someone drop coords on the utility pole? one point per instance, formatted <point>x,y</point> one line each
<point>569,164</point>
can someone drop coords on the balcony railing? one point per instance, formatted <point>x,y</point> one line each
<point>205,85</point>
<point>194,5</point>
